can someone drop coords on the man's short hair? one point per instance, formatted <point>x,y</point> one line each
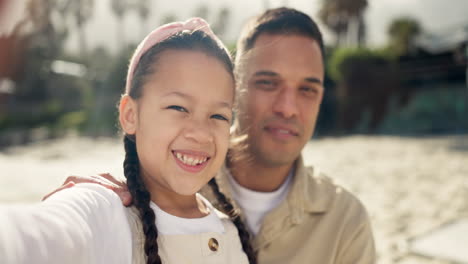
<point>278,21</point>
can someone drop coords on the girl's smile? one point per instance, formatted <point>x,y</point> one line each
<point>191,161</point>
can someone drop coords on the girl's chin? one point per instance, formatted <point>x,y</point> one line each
<point>188,190</point>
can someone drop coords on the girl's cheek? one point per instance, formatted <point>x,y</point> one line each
<point>222,126</point>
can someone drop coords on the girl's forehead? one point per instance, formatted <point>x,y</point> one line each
<point>191,73</point>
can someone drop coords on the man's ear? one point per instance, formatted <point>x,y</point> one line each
<point>128,114</point>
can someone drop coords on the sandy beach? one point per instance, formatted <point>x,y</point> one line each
<point>410,185</point>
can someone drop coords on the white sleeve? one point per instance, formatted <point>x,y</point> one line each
<point>83,224</point>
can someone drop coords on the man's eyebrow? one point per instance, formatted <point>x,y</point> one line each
<point>313,80</point>
<point>266,73</point>
<point>274,74</point>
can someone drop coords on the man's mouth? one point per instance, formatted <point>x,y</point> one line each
<point>281,131</point>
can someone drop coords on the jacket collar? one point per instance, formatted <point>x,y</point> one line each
<point>306,195</point>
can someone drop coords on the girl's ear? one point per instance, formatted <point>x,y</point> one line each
<point>128,114</point>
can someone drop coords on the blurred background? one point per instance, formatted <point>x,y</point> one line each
<point>393,127</point>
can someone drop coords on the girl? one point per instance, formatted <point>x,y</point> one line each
<point>176,114</point>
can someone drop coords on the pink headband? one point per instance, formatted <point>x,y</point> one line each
<point>161,33</point>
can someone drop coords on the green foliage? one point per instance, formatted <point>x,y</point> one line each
<point>344,60</point>
<point>72,120</point>
<point>108,87</point>
<point>433,110</point>
<point>402,32</point>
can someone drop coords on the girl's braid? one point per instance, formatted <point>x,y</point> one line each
<point>141,200</point>
<point>228,208</point>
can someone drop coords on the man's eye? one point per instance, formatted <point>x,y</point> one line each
<point>220,117</point>
<point>177,108</point>
<point>308,90</point>
<point>265,84</point>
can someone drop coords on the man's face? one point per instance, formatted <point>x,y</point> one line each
<point>282,80</point>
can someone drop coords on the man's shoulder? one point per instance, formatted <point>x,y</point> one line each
<point>333,194</point>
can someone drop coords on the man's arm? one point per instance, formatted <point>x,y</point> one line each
<point>104,179</point>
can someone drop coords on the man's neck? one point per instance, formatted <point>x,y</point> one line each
<point>254,175</point>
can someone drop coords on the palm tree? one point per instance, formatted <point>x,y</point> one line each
<point>202,11</point>
<point>402,32</point>
<point>168,18</point>
<point>219,27</point>
<point>119,7</point>
<point>82,11</point>
<point>144,10</point>
<point>346,19</point>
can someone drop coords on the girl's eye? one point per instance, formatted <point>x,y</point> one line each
<point>220,117</point>
<point>177,108</point>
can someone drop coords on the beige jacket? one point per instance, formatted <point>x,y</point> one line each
<point>319,222</point>
<point>203,248</point>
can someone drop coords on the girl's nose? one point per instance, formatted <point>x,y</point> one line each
<point>198,131</point>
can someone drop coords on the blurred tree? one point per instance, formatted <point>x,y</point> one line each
<point>81,10</point>
<point>402,32</point>
<point>202,11</point>
<point>366,80</point>
<point>110,88</point>
<point>44,91</point>
<point>220,26</point>
<point>144,10</point>
<point>345,18</point>
<point>44,42</point>
<point>119,7</point>
<point>168,18</point>
<point>107,87</point>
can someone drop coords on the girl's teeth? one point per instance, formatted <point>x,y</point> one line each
<point>190,160</point>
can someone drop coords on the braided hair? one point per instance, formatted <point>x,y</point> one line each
<point>225,206</point>
<point>141,200</point>
<point>195,40</point>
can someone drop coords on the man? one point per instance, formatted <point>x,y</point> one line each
<point>296,214</point>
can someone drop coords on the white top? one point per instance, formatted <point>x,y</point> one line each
<point>256,205</point>
<point>168,224</point>
<point>88,224</point>
<point>84,224</point>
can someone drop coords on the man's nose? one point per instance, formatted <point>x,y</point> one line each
<point>285,104</point>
